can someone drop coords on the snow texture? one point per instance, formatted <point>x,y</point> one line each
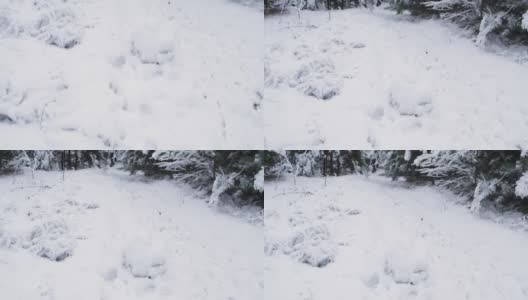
<point>521,187</point>
<point>387,240</point>
<point>131,74</point>
<point>108,235</point>
<point>374,80</point>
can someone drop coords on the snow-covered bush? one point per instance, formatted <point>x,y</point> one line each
<point>195,167</point>
<point>51,21</point>
<point>312,246</point>
<point>51,240</point>
<point>317,79</point>
<point>454,170</point>
<point>305,163</point>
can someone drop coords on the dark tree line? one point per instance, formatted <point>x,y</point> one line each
<point>12,161</point>
<point>272,6</point>
<point>491,176</point>
<point>500,20</point>
<point>231,175</point>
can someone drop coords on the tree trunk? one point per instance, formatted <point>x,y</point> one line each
<point>332,171</point>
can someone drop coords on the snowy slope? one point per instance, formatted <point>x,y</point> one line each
<point>383,240</point>
<point>375,80</point>
<point>100,235</point>
<point>130,74</point>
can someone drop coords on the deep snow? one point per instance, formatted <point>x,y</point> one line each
<point>376,239</point>
<point>130,74</point>
<point>367,80</point>
<point>107,235</point>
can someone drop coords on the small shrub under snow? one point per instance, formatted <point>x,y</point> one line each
<point>50,21</point>
<point>317,79</point>
<point>312,246</point>
<point>51,240</point>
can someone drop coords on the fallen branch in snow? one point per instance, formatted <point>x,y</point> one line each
<point>224,125</point>
<point>31,186</point>
<point>222,183</point>
<point>286,193</point>
<point>489,22</point>
<point>298,26</point>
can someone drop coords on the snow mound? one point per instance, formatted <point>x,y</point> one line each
<point>143,262</point>
<point>7,240</point>
<point>153,45</point>
<point>410,101</point>
<point>51,240</point>
<point>335,212</point>
<point>312,246</point>
<point>521,187</point>
<point>271,78</point>
<point>404,270</point>
<point>338,45</point>
<point>50,21</point>
<point>317,79</point>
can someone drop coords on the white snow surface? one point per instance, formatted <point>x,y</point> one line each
<point>386,240</point>
<point>121,237</point>
<point>376,80</point>
<point>130,74</point>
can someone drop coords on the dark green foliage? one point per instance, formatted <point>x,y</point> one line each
<point>394,164</point>
<point>6,158</point>
<point>315,163</point>
<point>55,160</point>
<point>464,171</point>
<point>469,14</point>
<point>134,161</point>
<point>247,164</point>
<point>275,164</point>
<point>200,169</point>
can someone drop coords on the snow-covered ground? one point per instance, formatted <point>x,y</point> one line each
<point>131,74</point>
<point>376,80</point>
<point>107,235</point>
<point>360,238</point>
